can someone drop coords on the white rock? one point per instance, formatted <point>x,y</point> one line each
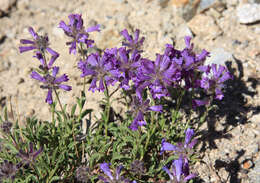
<point>58,32</point>
<point>183,30</point>
<point>219,56</point>
<point>248,13</point>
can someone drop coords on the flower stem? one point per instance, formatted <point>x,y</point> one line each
<point>57,96</point>
<point>107,109</point>
<point>84,58</point>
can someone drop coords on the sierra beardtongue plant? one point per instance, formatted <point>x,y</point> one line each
<point>141,144</point>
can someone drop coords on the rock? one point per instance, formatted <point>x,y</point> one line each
<point>179,3</point>
<point>257,30</point>
<point>5,5</point>
<point>182,31</point>
<point>119,1</point>
<point>204,26</point>
<point>219,56</point>
<point>206,4</point>
<point>254,174</point>
<point>58,32</point>
<point>231,2</point>
<point>248,13</point>
<point>185,8</point>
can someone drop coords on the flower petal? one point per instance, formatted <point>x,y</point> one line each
<point>49,97</point>
<point>105,168</point>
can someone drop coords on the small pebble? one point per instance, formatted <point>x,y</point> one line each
<point>247,164</point>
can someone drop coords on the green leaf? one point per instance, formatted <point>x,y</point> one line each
<point>55,178</point>
<point>73,110</point>
<point>85,112</point>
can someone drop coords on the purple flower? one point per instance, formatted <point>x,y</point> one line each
<point>51,82</point>
<point>214,82</point>
<point>126,67</point>
<point>187,63</point>
<point>134,44</point>
<point>197,102</point>
<point>182,149</point>
<point>30,155</point>
<point>83,174</point>
<point>179,171</point>
<point>41,44</point>
<point>7,170</point>
<point>158,76</point>
<point>6,127</point>
<point>99,68</point>
<point>75,30</point>
<point>112,179</point>
<point>139,108</point>
<point>41,58</point>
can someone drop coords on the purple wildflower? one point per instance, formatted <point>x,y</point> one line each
<point>158,76</point>
<point>7,170</point>
<point>137,167</point>
<point>75,30</point>
<point>41,44</point>
<point>44,65</point>
<point>134,44</point>
<point>126,67</point>
<point>179,172</point>
<point>83,174</point>
<point>112,179</point>
<point>139,108</point>
<point>99,68</point>
<point>187,63</point>
<point>30,155</point>
<point>6,127</point>
<point>51,82</point>
<point>182,149</point>
<point>214,83</point>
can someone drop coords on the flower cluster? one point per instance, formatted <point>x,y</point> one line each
<point>173,69</point>
<point>77,32</point>
<point>179,172</point>
<point>51,82</point>
<point>125,66</point>
<point>117,178</point>
<point>180,168</point>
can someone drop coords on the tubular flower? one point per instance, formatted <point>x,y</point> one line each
<point>139,108</point>
<point>133,43</point>
<point>41,45</point>
<point>158,76</point>
<point>179,172</point>
<point>99,68</point>
<point>214,83</point>
<point>182,149</point>
<point>75,30</point>
<point>117,178</point>
<point>29,156</point>
<point>51,82</point>
<point>7,170</point>
<point>126,67</point>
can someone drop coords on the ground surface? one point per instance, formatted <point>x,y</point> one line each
<point>232,139</point>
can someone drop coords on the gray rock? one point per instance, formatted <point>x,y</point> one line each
<point>206,4</point>
<point>219,56</point>
<point>254,175</point>
<point>248,13</point>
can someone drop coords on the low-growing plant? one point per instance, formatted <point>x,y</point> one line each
<point>153,142</point>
